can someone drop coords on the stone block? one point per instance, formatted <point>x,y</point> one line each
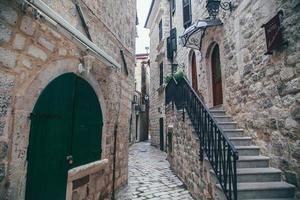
<point>46,43</point>
<point>27,63</point>
<point>286,73</point>
<point>28,25</point>
<point>295,112</point>
<point>37,52</point>
<point>62,51</point>
<point>7,57</point>
<point>19,42</point>
<point>8,14</point>
<point>247,69</point>
<point>5,33</point>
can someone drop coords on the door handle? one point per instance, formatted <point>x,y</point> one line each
<point>70,159</point>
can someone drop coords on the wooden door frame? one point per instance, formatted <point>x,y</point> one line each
<point>191,57</point>
<point>208,62</point>
<point>23,106</point>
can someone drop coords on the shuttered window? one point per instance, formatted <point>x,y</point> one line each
<point>173,35</point>
<point>172,44</point>
<point>187,14</point>
<point>160,30</point>
<point>161,73</point>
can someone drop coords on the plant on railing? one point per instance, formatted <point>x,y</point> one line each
<point>213,142</point>
<point>179,74</point>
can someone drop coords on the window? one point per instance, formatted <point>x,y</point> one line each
<point>171,44</point>
<point>187,14</point>
<point>173,6</point>
<point>173,35</point>
<point>161,73</point>
<point>160,30</point>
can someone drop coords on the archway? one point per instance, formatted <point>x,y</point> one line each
<point>216,76</point>
<point>65,132</point>
<point>194,71</point>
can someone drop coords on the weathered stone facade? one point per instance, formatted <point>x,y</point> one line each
<point>183,155</point>
<point>33,52</point>
<point>158,55</point>
<point>260,92</point>
<point>140,115</point>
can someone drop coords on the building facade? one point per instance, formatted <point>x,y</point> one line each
<point>141,99</point>
<point>231,70</point>
<point>158,22</point>
<point>66,87</point>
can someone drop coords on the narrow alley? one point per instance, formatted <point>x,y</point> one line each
<point>150,176</point>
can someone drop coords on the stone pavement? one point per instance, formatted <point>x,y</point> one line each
<point>150,176</point>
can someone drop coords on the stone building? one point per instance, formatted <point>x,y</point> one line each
<point>66,87</point>
<point>259,92</point>
<point>140,114</point>
<point>158,23</point>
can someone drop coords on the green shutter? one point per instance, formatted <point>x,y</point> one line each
<point>169,49</point>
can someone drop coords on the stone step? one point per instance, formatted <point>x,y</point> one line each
<point>223,119</point>
<point>263,190</point>
<point>227,125</point>
<point>253,162</point>
<point>219,107</point>
<point>258,190</point>
<point>234,132</point>
<point>248,150</point>
<point>258,175</point>
<point>274,199</point>
<point>216,113</point>
<point>241,141</point>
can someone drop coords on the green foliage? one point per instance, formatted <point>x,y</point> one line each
<point>179,74</point>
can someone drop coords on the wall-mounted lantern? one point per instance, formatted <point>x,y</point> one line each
<point>192,36</point>
<point>213,7</point>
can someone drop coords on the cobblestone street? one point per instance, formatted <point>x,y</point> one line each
<point>150,176</point>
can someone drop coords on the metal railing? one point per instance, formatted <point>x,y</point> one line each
<point>220,152</point>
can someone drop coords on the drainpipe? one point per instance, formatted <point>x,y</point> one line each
<point>115,140</point>
<point>55,19</point>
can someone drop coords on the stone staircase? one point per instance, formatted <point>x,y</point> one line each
<point>256,179</point>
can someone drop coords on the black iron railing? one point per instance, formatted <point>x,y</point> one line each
<point>213,142</point>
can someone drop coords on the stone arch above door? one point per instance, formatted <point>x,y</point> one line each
<point>23,105</point>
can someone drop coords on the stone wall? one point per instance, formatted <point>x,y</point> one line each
<point>261,92</point>
<point>89,182</point>
<point>34,52</point>
<point>184,157</point>
<point>158,54</point>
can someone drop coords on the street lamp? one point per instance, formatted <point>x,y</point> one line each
<point>213,7</point>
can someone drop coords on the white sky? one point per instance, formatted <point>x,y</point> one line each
<point>142,40</point>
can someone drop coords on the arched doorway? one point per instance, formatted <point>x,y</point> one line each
<point>65,132</point>
<point>194,72</point>
<point>216,76</point>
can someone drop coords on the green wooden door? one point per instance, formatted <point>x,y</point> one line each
<point>66,121</point>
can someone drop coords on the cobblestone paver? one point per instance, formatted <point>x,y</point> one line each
<point>150,176</point>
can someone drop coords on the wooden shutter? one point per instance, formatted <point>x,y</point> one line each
<point>161,73</point>
<point>169,49</point>
<point>187,15</point>
<point>174,39</point>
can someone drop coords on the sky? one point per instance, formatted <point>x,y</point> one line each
<point>142,40</point>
